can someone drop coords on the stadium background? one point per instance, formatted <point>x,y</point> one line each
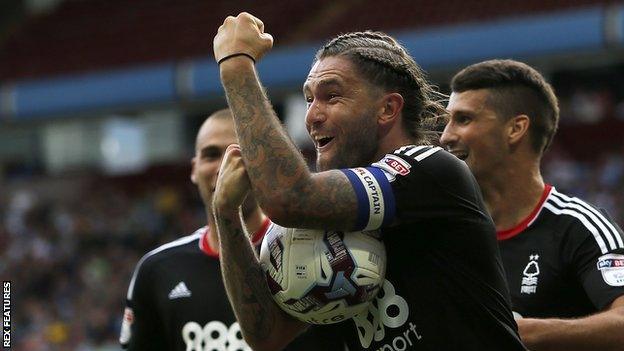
<point>100,101</point>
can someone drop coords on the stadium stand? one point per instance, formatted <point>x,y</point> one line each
<point>87,35</point>
<point>81,35</point>
<point>70,241</point>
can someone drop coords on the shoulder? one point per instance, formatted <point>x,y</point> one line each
<point>160,254</point>
<point>584,221</point>
<point>414,182</point>
<point>430,169</point>
<point>424,159</point>
<point>170,247</point>
<point>427,153</point>
<point>417,152</point>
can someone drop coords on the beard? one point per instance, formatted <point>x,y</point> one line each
<point>356,149</point>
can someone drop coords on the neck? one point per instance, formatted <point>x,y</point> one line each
<point>511,193</point>
<point>393,140</point>
<point>253,223</point>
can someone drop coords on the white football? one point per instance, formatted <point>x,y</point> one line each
<point>323,277</point>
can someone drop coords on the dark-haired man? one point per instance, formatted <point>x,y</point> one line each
<point>564,258</point>
<point>367,104</point>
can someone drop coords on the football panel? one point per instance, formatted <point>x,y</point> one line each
<point>303,263</point>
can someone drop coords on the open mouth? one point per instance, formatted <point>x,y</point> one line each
<point>324,141</point>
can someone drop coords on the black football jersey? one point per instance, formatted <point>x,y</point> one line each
<point>177,301</point>
<point>444,287</point>
<point>566,259</point>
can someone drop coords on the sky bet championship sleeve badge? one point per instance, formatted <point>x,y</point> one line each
<point>126,332</point>
<point>392,166</point>
<point>612,268</point>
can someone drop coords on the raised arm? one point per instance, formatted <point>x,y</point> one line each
<point>286,190</point>
<point>263,324</point>
<point>601,331</point>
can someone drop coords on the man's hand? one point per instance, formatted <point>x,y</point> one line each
<point>233,184</point>
<point>243,34</point>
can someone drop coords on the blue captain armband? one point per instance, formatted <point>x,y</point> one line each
<point>376,205</point>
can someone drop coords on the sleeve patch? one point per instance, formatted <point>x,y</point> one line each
<point>393,165</point>
<point>375,198</point>
<point>612,268</point>
<point>126,331</point>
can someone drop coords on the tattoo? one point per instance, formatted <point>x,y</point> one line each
<point>275,165</point>
<point>258,299</point>
<point>244,280</point>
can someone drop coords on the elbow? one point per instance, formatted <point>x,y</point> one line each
<point>280,210</point>
<point>280,217</point>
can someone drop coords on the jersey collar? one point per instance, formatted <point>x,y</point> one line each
<point>520,227</point>
<point>256,239</point>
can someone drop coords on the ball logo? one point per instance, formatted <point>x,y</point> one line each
<point>214,336</point>
<point>331,320</point>
<point>277,252</point>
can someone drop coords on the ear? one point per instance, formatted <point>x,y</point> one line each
<point>518,129</point>
<point>390,109</point>
<point>193,165</point>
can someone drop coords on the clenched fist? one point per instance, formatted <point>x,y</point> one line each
<point>243,34</point>
<point>233,183</point>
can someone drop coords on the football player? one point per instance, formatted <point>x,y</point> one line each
<point>368,108</point>
<point>564,258</point>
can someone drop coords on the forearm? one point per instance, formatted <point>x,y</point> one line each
<point>276,168</point>
<point>263,324</point>
<point>603,331</point>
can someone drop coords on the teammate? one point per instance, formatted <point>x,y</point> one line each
<point>564,258</point>
<point>176,299</point>
<point>367,102</point>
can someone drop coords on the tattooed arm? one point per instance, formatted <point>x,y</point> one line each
<point>283,186</point>
<point>263,324</point>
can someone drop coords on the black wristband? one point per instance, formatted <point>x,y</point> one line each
<point>234,55</point>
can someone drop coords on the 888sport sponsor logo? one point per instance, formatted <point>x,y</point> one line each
<point>388,311</point>
<point>214,336</point>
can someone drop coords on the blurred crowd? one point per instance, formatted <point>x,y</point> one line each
<point>598,181</point>
<point>70,256</point>
<point>69,244</point>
